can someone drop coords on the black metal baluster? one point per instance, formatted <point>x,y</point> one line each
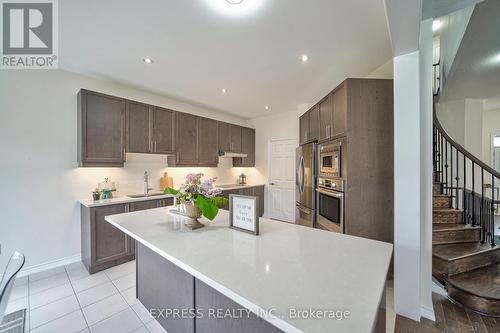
<point>464,204</point>
<point>492,219</point>
<point>442,161</point>
<point>474,221</point>
<point>446,166</point>
<point>481,217</point>
<point>456,185</point>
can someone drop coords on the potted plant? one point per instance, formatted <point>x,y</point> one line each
<point>196,198</point>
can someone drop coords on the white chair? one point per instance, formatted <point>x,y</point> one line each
<point>14,265</point>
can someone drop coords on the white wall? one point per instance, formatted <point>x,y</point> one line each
<point>491,125</point>
<point>277,126</point>
<point>41,184</point>
<point>426,168</point>
<point>451,115</point>
<point>385,71</point>
<point>407,266</point>
<point>463,121</point>
<point>451,34</point>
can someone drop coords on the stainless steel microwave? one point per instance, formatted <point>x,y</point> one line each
<point>330,159</point>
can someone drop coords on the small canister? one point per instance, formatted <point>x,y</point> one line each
<point>242,180</point>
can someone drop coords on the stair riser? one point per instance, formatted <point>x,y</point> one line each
<point>455,236</point>
<point>437,189</point>
<point>442,268</point>
<point>441,202</point>
<point>482,305</point>
<point>451,216</point>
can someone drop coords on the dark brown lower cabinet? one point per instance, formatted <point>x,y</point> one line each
<point>161,285</point>
<point>103,245</point>
<point>207,298</point>
<point>257,191</point>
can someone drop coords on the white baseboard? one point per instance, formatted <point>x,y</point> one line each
<point>49,264</point>
<point>438,289</point>
<point>427,312</point>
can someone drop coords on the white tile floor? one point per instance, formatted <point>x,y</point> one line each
<point>70,300</point>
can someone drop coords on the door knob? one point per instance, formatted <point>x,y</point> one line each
<point>271,184</point>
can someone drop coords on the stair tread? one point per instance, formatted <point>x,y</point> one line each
<point>453,226</point>
<point>450,252</point>
<point>483,282</point>
<point>442,195</point>
<point>445,209</point>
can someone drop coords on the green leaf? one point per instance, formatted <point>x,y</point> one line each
<point>220,201</point>
<point>207,207</point>
<point>170,190</point>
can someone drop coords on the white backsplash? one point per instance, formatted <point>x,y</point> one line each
<point>129,179</point>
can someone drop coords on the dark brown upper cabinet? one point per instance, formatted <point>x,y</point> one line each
<point>229,137</point>
<point>235,135</point>
<point>101,130</point>
<point>313,134</point>
<point>163,130</point>
<point>186,139</point>
<point>247,147</point>
<point>309,128</point>
<point>208,143</point>
<point>109,126</point>
<point>325,118</point>
<point>196,141</point>
<point>339,102</point>
<point>138,128</point>
<point>224,130</point>
<point>149,129</point>
<point>304,128</point>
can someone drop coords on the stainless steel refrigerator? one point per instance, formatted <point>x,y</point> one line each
<point>305,184</point>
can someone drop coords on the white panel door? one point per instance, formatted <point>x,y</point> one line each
<point>281,199</point>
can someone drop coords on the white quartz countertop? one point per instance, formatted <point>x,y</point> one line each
<point>89,203</point>
<point>119,200</point>
<point>286,267</point>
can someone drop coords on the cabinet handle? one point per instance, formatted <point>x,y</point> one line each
<point>155,146</point>
<point>177,156</point>
<point>127,208</point>
<point>124,155</point>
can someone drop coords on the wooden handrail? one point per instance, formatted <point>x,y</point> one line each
<point>462,150</point>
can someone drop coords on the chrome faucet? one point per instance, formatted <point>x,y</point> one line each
<point>146,184</point>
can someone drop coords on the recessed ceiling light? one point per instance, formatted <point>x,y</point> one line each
<point>266,107</point>
<point>148,60</point>
<point>223,90</point>
<point>305,58</point>
<point>235,7</point>
<point>436,24</point>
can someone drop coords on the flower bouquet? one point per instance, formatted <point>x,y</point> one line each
<point>196,197</point>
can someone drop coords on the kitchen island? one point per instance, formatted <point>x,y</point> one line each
<point>287,278</point>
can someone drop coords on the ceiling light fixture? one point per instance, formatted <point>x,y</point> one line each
<point>235,7</point>
<point>266,107</point>
<point>147,60</point>
<point>223,90</point>
<point>436,24</point>
<point>305,58</point>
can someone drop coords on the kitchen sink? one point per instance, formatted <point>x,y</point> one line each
<point>142,195</point>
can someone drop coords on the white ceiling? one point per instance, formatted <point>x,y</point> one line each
<point>475,72</point>
<point>198,50</point>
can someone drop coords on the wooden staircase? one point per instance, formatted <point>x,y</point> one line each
<point>468,268</point>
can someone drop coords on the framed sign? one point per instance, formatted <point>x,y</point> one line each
<point>243,213</point>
